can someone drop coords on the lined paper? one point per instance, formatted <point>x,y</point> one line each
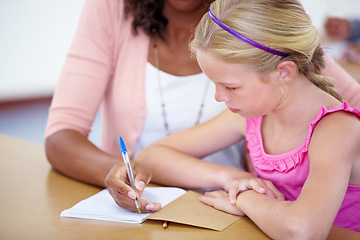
<point>102,206</point>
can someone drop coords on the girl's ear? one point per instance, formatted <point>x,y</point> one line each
<point>287,71</point>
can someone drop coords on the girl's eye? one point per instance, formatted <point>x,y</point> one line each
<point>230,88</point>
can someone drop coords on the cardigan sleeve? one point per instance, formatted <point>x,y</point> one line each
<point>87,69</point>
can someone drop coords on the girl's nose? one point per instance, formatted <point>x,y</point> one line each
<point>220,95</point>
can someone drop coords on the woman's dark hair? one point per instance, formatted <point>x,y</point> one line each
<point>147,15</point>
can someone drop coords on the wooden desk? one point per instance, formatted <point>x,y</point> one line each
<point>32,197</point>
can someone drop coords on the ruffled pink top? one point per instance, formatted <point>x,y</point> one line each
<point>289,171</point>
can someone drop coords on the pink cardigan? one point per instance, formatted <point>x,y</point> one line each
<point>106,66</point>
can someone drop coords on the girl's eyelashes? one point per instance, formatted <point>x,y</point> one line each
<point>230,88</point>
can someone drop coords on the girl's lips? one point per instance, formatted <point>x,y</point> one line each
<point>234,110</point>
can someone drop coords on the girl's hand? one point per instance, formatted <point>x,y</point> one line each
<point>120,188</point>
<point>220,200</point>
<point>253,183</point>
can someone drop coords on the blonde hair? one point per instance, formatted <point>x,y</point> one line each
<point>279,24</point>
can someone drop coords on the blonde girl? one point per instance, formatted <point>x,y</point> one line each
<point>266,62</point>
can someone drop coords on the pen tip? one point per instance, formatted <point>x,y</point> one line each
<point>122,145</point>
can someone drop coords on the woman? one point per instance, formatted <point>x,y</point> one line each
<point>132,59</point>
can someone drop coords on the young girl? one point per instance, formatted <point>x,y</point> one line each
<point>266,63</point>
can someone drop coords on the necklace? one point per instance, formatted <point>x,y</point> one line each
<point>166,124</point>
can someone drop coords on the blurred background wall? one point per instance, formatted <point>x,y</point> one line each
<point>35,36</point>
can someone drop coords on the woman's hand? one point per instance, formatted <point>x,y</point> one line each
<point>120,188</point>
<point>220,200</point>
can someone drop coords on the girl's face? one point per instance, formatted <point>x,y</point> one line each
<point>242,89</point>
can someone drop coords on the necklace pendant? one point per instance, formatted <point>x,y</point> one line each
<point>166,125</point>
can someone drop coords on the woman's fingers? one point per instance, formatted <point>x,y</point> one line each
<point>142,175</point>
<point>129,204</point>
<point>119,187</point>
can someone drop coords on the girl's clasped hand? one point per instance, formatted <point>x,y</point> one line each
<point>226,200</point>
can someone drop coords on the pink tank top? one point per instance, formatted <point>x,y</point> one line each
<point>288,171</point>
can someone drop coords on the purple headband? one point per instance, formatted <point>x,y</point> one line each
<point>245,39</point>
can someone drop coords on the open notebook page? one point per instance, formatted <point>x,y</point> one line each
<point>102,206</point>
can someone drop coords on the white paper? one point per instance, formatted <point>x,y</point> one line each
<point>102,206</point>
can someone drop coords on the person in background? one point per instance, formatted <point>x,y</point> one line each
<point>344,29</point>
<point>265,59</point>
<point>131,60</point>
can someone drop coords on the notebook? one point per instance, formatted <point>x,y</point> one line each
<point>178,206</point>
<point>102,206</point>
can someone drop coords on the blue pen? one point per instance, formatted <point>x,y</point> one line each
<point>129,171</point>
